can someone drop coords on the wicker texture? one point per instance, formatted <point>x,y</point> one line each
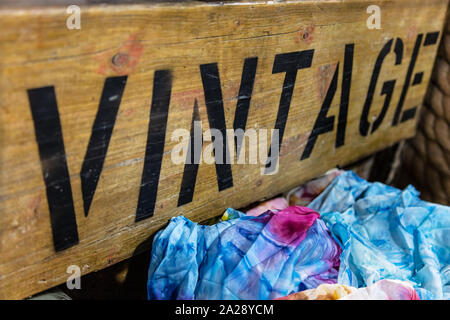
<point>426,157</point>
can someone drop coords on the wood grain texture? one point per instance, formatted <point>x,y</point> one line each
<point>38,51</point>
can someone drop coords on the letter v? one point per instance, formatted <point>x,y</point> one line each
<point>100,137</point>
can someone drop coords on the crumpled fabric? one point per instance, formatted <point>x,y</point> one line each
<point>274,204</point>
<point>299,196</point>
<point>384,290</point>
<point>387,233</point>
<point>248,257</point>
<point>380,290</point>
<point>304,194</point>
<point>325,291</point>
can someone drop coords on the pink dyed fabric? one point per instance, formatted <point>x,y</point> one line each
<point>385,290</point>
<point>291,224</point>
<point>380,290</point>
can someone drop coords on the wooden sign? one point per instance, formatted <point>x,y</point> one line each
<point>91,119</point>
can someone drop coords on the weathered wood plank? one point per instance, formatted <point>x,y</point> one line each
<point>77,107</point>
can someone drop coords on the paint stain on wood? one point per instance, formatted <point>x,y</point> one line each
<point>129,112</point>
<point>294,144</point>
<point>411,32</point>
<point>323,77</point>
<point>123,60</point>
<point>186,98</point>
<point>34,206</point>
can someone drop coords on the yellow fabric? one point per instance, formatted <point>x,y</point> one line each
<point>322,292</point>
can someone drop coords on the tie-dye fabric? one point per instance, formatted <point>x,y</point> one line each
<point>304,194</point>
<point>264,257</point>
<point>325,291</point>
<point>384,290</point>
<point>380,290</point>
<point>387,233</point>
